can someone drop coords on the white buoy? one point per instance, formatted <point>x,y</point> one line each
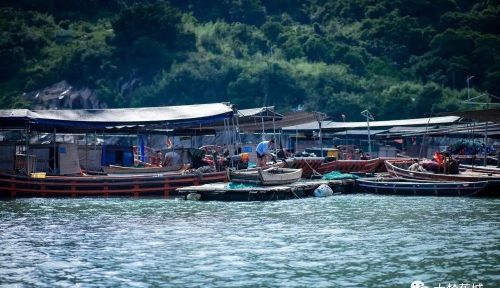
<point>193,196</point>
<point>323,191</point>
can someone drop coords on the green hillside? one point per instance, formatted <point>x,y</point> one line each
<point>398,58</point>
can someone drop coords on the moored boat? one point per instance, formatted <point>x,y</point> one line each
<point>375,165</point>
<point>400,169</point>
<point>309,165</point>
<point>116,169</point>
<point>55,167</point>
<point>317,165</point>
<point>269,176</point>
<point>404,187</point>
<point>12,185</point>
<point>486,169</point>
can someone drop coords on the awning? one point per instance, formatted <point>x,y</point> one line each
<point>266,112</point>
<point>267,124</point>
<point>329,125</point>
<point>122,118</point>
<point>487,115</point>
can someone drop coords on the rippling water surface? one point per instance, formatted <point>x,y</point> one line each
<point>340,241</point>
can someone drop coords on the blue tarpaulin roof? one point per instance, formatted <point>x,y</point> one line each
<point>121,118</point>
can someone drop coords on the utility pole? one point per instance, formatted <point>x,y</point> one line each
<point>343,118</point>
<point>369,117</point>
<point>320,117</point>
<point>468,86</point>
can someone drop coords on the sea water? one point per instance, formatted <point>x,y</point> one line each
<point>340,241</point>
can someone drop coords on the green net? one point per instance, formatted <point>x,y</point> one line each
<point>233,185</point>
<point>335,175</point>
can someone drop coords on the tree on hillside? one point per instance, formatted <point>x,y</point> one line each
<point>147,33</point>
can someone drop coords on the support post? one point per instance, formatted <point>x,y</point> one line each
<point>263,130</point>
<point>485,160</point>
<point>296,139</point>
<point>55,152</point>
<point>274,129</point>
<point>369,117</point>
<point>28,164</point>
<point>320,139</point>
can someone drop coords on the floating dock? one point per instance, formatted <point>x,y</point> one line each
<point>235,192</point>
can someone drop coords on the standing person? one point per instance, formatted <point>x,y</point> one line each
<point>160,158</point>
<point>262,151</point>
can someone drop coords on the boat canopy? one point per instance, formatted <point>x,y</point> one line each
<point>184,116</point>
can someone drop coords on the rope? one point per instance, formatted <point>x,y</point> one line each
<point>315,173</point>
<point>296,196</point>
<point>393,171</point>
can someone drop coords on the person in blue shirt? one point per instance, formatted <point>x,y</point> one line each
<point>262,151</point>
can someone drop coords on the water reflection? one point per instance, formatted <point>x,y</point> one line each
<point>322,242</point>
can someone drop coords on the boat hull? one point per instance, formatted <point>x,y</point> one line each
<point>162,184</point>
<point>397,170</point>
<point>271,176</point>
<point>114,169</point>
<point>491,190</point>
<point>412,188</point>
<point>315,165</point>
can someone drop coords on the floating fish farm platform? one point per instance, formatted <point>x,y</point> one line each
<point>243,192</point>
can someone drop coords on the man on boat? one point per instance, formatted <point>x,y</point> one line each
<point>416,167</point>
<point>262,151</point>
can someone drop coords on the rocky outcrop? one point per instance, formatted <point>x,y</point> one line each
<point>62,95</point>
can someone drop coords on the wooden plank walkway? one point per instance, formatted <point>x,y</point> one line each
<point>234,192</point>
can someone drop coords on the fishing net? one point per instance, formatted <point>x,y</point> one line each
<point>335,175</point>
<point>233,185</point>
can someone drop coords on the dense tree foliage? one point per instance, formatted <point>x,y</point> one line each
<point>397,58</point>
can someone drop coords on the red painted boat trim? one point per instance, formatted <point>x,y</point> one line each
<point>156,184</point>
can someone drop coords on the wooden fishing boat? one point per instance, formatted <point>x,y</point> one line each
<point>12,185</point>
<point>317,165</point>
<point>404,187</point>
<point>485,169</point>
<point>309,165</point>
<point>400,169</point>
<point>269,176</point>
<point>116,169</point>
<point>62,159</point>
<point>375,165</point>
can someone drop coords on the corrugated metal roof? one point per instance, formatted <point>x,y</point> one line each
<point>359,132</point>
<point>259,112</point>
<point>409,129</point>
<point>329,125</point>
<point>291,118</point>
<point>492,115</point>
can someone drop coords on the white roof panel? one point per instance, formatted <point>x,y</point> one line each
<point>329,125</point>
